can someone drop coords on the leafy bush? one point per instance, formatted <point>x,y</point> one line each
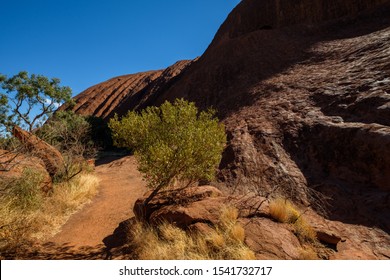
<point>173,142</point>
<point>24,193</point>
<point>70,133</point>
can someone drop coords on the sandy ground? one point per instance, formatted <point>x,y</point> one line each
<point>120,186</point>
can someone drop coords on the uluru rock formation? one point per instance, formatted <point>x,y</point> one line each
<point>303,88</point>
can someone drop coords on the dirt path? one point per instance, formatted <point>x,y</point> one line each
<point>121,184</point>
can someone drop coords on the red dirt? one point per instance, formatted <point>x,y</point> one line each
<point>121,184</point>
<point>88,234</point>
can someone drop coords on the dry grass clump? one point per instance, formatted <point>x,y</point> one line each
<point>168,242</point>
<point>26,214</point>
<point>304,231</point>
<point>284,211</point>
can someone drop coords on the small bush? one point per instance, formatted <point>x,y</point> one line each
<point>304,231</point>
<point>173,142</point>
<point>167,242</point>
<point>24,192</point>
<point>70,133</point>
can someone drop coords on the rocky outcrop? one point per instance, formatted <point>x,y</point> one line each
<point>50,156</point>
<point>199,209</point>
<point>350,241</point>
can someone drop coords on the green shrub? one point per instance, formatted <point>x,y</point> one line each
<point>173,142</point>
<point>24,192</point>
<point>70,133</point>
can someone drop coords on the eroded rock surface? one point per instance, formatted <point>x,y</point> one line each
<point>304,91</point>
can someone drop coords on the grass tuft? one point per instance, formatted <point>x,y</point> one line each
<point>308,253</point>
<point>284,211</point>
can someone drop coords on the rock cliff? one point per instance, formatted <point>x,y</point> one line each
<point>303,88</point>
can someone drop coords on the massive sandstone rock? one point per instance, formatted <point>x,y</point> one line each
<point>50,156</point>
<point>303,88</point>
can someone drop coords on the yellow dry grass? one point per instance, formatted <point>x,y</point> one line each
<point>168,242</point>
<point>19,225</point>
<point>304,231</point>
<point>308,253</point>
<point>284,211</point>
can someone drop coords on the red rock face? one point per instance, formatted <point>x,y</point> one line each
<point>51,157</point>
<point>303,88</point>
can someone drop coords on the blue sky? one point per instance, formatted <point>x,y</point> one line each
<point>84,42</point>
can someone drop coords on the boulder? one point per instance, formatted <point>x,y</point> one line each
<point>51,157</point>
<point>183,208</point>
<point>328,237</point>
<point>270,240</point>
<point>12,166</point>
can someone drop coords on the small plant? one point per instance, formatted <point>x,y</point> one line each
<point>24,192</point>
<point>173,142</point>
<point>70,133</point>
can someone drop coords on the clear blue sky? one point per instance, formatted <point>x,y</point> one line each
<point>84,42</point>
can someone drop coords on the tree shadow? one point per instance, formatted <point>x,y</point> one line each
<point>109,156</point>
<point>118,243</point>
<point>53,251</point>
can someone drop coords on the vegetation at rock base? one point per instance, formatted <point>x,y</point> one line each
<point>168,242</point>
<point>29,100</point>
<point>173,142</point>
